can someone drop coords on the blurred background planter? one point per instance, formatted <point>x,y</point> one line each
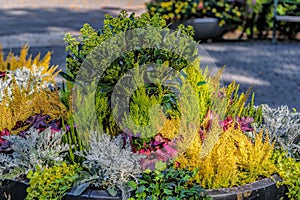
<point>205,28</point>
<point>264,189</point>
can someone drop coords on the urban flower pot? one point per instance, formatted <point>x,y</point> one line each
<point>205,28</point>
<point>264,189</point>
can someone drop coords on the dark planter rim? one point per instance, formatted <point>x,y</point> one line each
<point>261,184</point>
<point>262,189</point>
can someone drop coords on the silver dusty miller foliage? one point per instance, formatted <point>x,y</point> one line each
<point>110,162</point>
<point>24,78</point>
<point>34,150</point>
<point>283,127</point>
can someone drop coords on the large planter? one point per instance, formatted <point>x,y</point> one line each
<point>205,28</point>
<point>264,189</point>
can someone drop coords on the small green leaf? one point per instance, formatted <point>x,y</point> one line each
<point>132,185</point>
<point>201,83</point>
<point>141,189</point>
<point>29,174</point>
<point>67,76</point>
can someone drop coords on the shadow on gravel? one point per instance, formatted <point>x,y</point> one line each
<point>272,70</point>
<point>30,20</point>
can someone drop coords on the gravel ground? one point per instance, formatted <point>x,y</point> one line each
<point>272,70</point>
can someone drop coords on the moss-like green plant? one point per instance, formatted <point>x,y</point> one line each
<point>289,170</point>
<point>253,111</point>
<point>52,182</point>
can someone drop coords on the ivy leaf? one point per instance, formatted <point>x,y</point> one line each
<point>168,192</point>
<point>141,189</point>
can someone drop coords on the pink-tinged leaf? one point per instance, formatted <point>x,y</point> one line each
<point>170,150</point>
<point>4,132</point>
<point>160,149</point>
<point>226,123</point>
<point>201,134</point>
<point>2,74</point>
<point>245,123</point>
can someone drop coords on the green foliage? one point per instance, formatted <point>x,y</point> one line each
<point>145,114</point>
<point>91,111</point>
<point>225,158</point>
<point>228,12</point>
<point>258,18</point>
<point>235,102</point>
<point>83,112</point>
<point>288,169</point>
<point>175,10</point>
<point>183,54</point>
<point>73,139</point>
<point>253,111</point>
<point>168,183</point>
<point>89,38</point>
<point>105,115</point>
<point>203,91</point>
<point>65,94</point>
<point>52,182</point>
